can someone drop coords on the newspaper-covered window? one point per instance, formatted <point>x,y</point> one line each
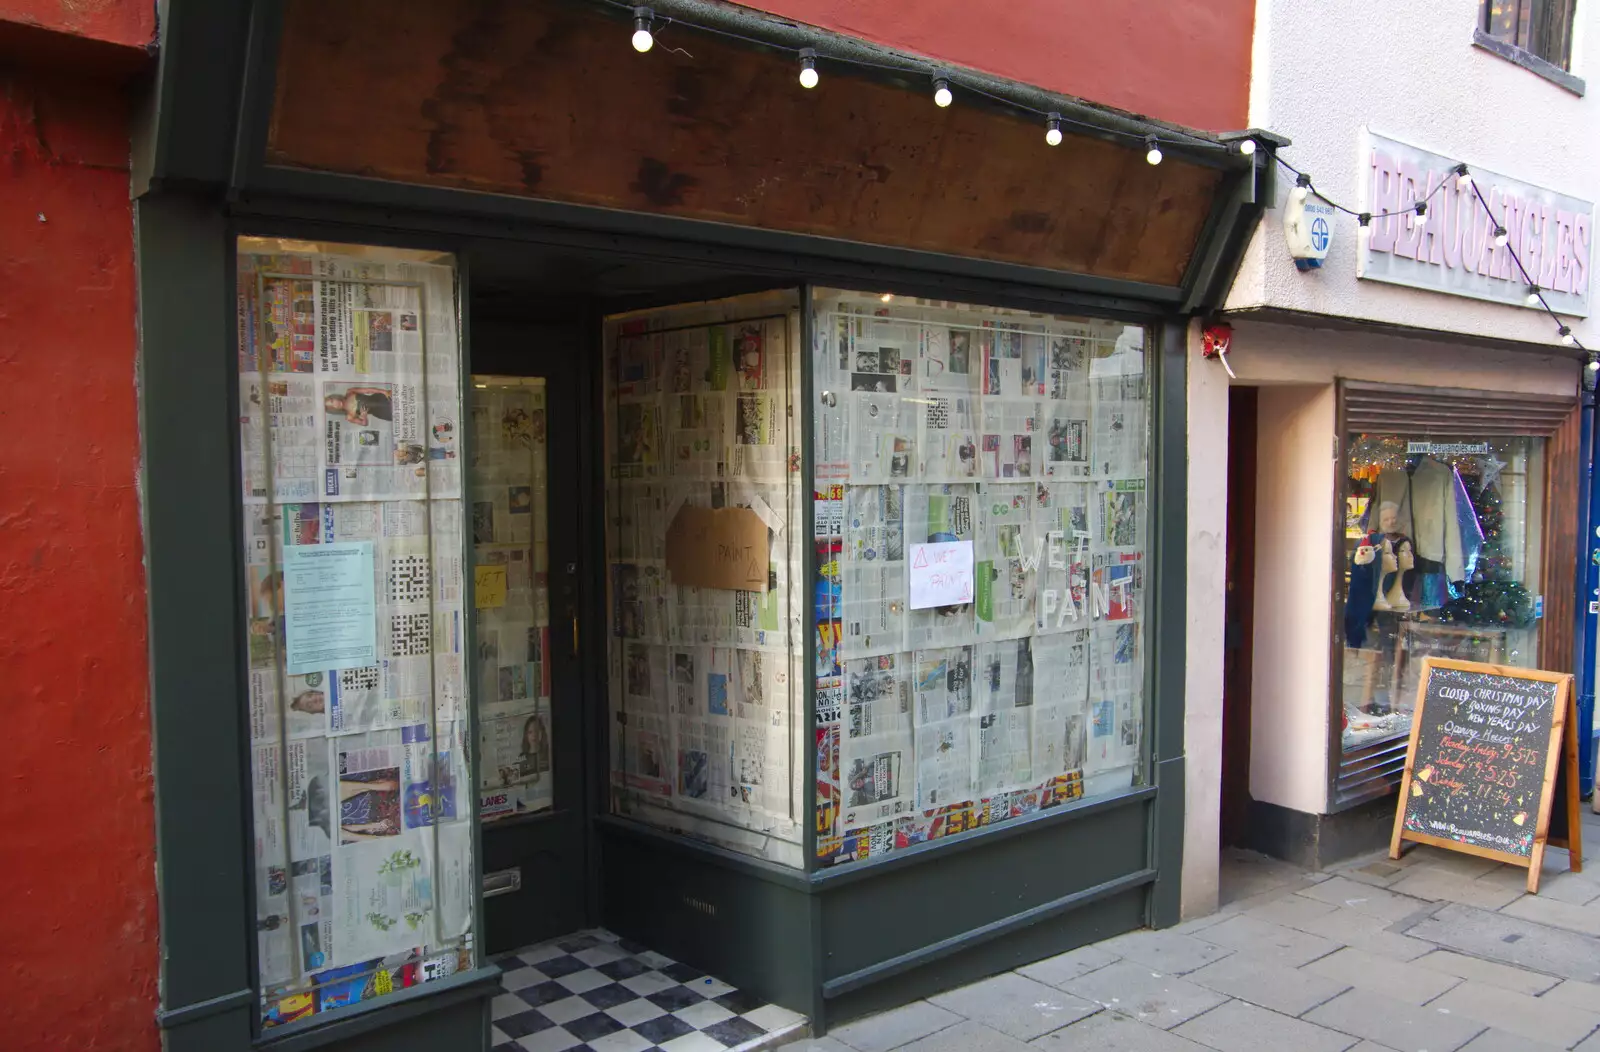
<point>511,594</point>
<point>980,510</point>
<point>349,417</point>
<point>703,488</point>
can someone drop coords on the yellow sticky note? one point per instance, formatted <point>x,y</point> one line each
<point>382,982</point>
<point>489,586</point>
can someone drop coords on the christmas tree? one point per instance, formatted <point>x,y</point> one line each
<point>1493,597</point>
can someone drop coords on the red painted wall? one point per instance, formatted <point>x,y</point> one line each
<point>130,23</point>
<point>77,838</point>
<point>1185,61</point>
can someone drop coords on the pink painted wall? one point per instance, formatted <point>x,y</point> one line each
<point>1185,61</point>
<point>77,880</point>
<point>128,23</point>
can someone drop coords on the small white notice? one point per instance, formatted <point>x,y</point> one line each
<point>329,606</point>
<point>941,574</point>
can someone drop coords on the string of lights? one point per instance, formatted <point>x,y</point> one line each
<point>945,83</point>
<point>1418,209</point>
<point>647,24</point>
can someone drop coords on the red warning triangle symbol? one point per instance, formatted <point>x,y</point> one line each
<point>921,560</point>
<point>966,592</point>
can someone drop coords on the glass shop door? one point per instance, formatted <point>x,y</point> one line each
<point>531,758</point>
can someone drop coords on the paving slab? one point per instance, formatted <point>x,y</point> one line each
<point>967,1037</point>
<point>817,1044</point>
<point>1579,995</point>
<point>1274,942</point>
<point>896,1027</point>
<point>1493,1040</point>
<point>1114,1032</point>
<point>1576,888</point>
<point>1425,882</point>
<point>1394,1023</point>
<point>1015,1005</point>
<point>1535,1018</point>
<point>1403,982</point>
<point>1147,994</point>
<point>1363,898</point>
<point>1380,873</point>
<point>1460,965</point>
<point>1511,940</point>
<point>1292,911</point>
<point>1241,1027</point>
<point>1291,991</point>
<point>1541,910</point>
<point>1366,932</point>
<point>1457,862</point>
<point>1063,968</point>
<point>1166,951</point>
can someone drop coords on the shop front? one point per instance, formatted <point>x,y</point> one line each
<point>672,550</point>
<point>1452,493</point>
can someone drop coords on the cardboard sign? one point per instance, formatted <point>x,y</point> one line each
<point>489,587</point>
<point>718,548</point>
<point>941,574</point>
<point>1490,745</point>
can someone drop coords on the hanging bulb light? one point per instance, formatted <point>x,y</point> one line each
<point>1594,364</point>
<point>1364,222</point>
<point>1463,177</point>
<point>643,39</point>
<point>1302,188</point>
<point>1533,295</point>
<point>1152,149</point>
<point>1247,147</point>
<point>941,92</point>
<point>808,67</point>
<point>1566,336</point>
<point>886,297</point>
<point>1052,129</point>
<point>1422,214</point>
<point>1500,236</point>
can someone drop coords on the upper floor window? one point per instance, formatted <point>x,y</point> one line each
<point>1539,27</point>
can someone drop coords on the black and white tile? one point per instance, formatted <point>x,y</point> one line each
<point>594,992</point>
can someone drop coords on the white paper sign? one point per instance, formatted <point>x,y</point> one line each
<point>941,574</point>
<point>330,606</point>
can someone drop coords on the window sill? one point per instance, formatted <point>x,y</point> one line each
<point>1530,62</point>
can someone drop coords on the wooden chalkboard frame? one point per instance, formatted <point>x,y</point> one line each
<point>1561,749</point>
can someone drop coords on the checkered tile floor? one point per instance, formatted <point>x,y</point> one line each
<point>594,992</point>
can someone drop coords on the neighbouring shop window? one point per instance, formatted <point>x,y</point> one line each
<point>349,416</point>
<point>1441,557</point>
<point>980,508</point>
<point>1539,27</point>
<point>511,594</point>
<point>702,497</point>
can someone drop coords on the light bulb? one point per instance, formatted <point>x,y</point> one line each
<point>886,297</point>
<point>1500,236</point>
<point>941,92</point>
<point>1533,295</point>
<point>1594,365</point>
<point>1298,194</point>
<point>1247,147</point>
<point>1152,149</point>
<point>1052,133</point>
<point>808,68</point>
<point>1422,215</point>
<point>1463,177</point>
<point>643,40</point>
<point>1567,337</point>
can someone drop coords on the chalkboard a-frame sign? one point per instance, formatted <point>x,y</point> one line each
<point>1493,753</point>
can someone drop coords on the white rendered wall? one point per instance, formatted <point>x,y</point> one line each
<point>1408,70</point>
<point>1203,638</point>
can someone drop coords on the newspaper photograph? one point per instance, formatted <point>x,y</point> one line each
<point>1118,586</point>
<point>1014,363</point>
<point>1008,428</point>
<point>876,745</point>
<point>1004,675</point>
<point>1121,514</point>
<point>704,755</point>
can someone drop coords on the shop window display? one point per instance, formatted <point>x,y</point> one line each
<point>349,412</point>
<point>1016,446</point>
<point>1441,557</point>
<point>706,722</point>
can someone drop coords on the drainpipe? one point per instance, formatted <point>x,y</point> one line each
<point>1588,592</point>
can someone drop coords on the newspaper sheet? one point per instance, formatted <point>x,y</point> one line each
<point>950,361</point>
<point>1004,759</point>
<point>1115,698</point>
<point>882,435</point>
<point>1008,429</point>
<point>942,684</point>
<point>1008,557</point>
<point>873,574</point>
<point>876,746</point>
<point>948,444</point>
<point>1061,521</point>
<point>944,762</point>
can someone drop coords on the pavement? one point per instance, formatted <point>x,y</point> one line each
<point>1435,952</point>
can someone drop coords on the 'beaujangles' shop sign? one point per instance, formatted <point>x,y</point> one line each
<point>1454,251</point>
